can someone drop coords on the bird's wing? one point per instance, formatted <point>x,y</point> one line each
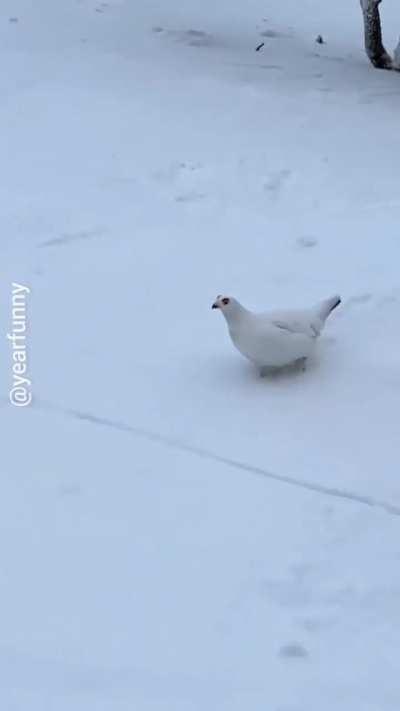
<point>296,327</point>
<point>295,322</point>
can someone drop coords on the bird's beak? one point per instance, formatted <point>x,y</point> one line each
<point>215,305</point>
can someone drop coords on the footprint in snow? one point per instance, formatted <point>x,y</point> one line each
<point>191,196</point>
<point>192,38</point>
<point>276,181</point>
<point>306,242</point>
<point>293,650</point>
<point>175,171</point>
<point>273,34</point>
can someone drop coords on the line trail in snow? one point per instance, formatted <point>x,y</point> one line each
<point>175,443</point>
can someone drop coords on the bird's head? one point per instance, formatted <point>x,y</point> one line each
<point>228,305</point>
<point>222,302</point>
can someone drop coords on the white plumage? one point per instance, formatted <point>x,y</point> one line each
<point>274,339</point>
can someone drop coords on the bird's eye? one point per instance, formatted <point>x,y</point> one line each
<point>225,301</point>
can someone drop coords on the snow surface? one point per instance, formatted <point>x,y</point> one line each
<point>177,534</point>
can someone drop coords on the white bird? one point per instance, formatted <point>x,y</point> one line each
<point>275,339</point>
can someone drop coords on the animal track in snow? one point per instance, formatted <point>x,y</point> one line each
<point>276,67</point>
<point>191,37</point>
<point>67,238</point>
<point>175,171</point>
<point>182,176</point>
<point>293,650</point>
<point>358,300</point>
<point>331,58</point>
<point>183,446</point>
<point>190,196</point>
<point>273,34</point>
<point>306,242</point>
<point>276,181</point>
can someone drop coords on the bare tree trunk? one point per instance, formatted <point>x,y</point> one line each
<point>373,35</point>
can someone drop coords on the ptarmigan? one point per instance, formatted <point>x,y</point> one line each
<point>274,339</point>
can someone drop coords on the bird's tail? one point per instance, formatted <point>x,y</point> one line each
<point>324,308</point>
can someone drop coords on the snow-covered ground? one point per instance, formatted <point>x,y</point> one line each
<point>177,534</point>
